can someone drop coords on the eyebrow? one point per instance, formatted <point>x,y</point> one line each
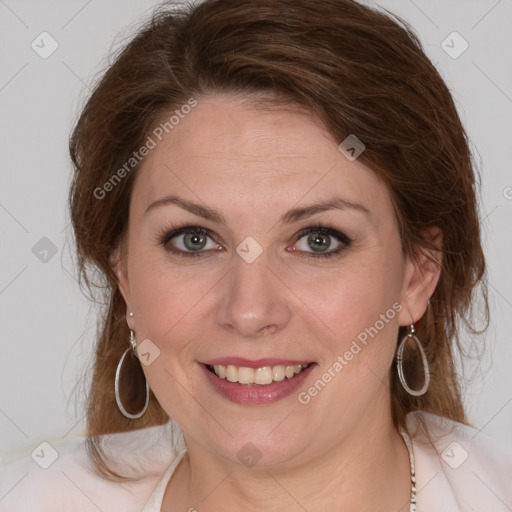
<point>294,215</point>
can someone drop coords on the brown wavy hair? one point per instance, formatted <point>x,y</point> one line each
<point>364,72</point>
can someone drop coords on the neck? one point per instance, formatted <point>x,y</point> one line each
<point>367,470</point>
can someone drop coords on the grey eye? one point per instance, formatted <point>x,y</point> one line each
<point>319,241</point>
<point>194,241</point>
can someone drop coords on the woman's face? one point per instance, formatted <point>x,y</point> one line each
<point>291,256</point>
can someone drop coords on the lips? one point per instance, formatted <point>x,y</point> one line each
<point>252,382</point>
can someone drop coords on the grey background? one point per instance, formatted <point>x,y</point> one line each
<point>47,324</point>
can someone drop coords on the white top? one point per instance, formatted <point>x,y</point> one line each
<point>458,470</point>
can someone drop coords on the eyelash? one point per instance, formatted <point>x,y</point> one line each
<point>166,236</point>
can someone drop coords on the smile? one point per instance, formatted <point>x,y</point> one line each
<point>262,376</point>
<point>255,382</point>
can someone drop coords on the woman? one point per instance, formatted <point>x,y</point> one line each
<point>280,198</point>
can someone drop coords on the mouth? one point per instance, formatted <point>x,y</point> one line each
<point>262,376</point>
<point>256,382</point>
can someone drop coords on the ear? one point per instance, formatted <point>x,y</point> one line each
<point>118,262</point>
<point>421,275</point>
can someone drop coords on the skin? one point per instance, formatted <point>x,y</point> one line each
<point>252,165</point>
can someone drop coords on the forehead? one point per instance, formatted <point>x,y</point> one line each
<point>231,153</point>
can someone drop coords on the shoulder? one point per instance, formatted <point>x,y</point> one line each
<point>459,468</point>
<point>60,477</point>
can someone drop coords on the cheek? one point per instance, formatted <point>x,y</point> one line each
<point>163,296</point>
<point>358,310</point>
<point>353,298</point>
<point>360,316</point>
<point>165,302</point>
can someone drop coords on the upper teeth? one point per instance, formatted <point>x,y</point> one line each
<point>263,375</point>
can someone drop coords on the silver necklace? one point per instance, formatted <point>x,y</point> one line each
<point>407,440</point>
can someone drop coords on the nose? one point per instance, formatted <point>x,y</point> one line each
<point>253,300</point>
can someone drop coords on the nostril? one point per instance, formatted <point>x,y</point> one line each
<point>268,329</point>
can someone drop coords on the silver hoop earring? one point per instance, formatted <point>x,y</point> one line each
<point>125,413</point>
<point>411,335</point>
